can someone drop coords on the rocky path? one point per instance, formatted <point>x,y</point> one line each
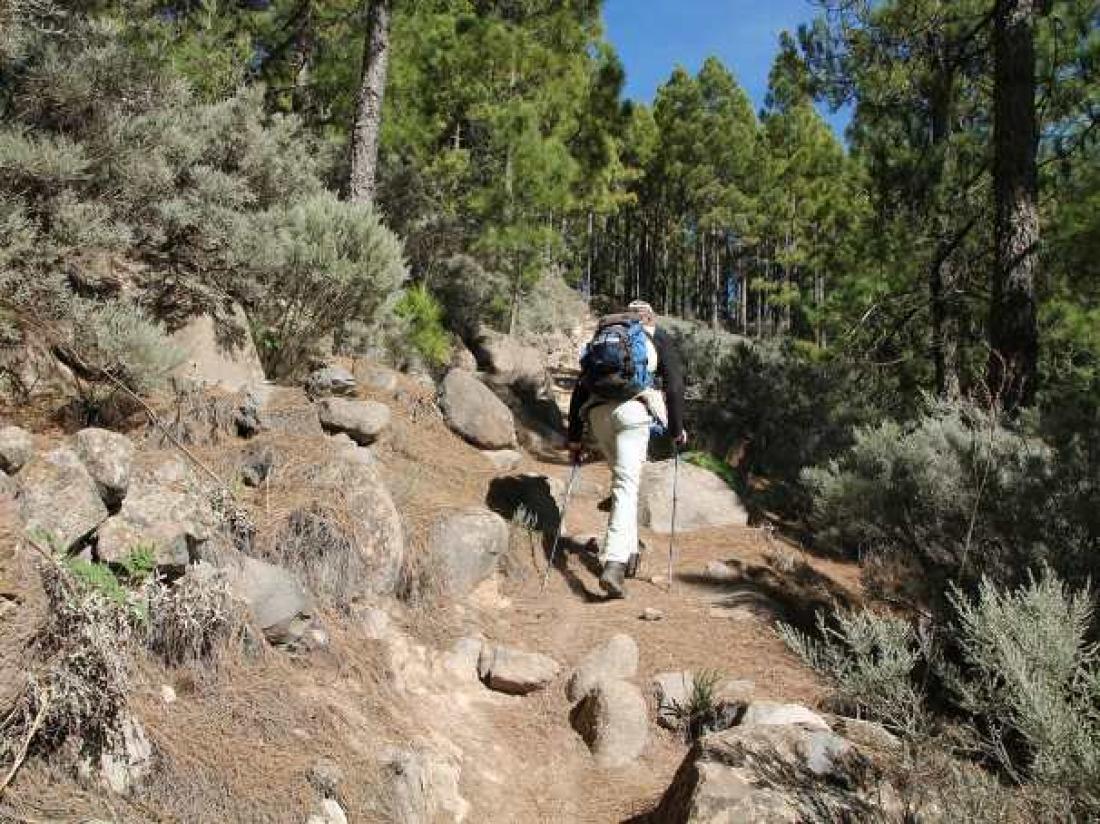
<point>725,598</point>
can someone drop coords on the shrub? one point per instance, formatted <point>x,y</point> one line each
<point>320,264</point>
<point>1031,679</point>
<point>192,619</point>
<point>1014,664</point>
<point>80,672</point>
<point>956,490</point>
<point>871,661</point>
<point>551,306</point>
<point>470,295</point>
<point>423,317</point>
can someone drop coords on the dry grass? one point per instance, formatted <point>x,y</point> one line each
<point>196,620</point>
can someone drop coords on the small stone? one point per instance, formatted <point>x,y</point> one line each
<point>652,614</point>
<point>167,694</point>
<point>515,672</point>
<point>376,624</point>
<point>720,571</point>
<point>325,776</point>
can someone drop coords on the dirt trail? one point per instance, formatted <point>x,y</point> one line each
<point>723,625</point>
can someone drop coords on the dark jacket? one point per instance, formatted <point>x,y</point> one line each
<point>670,374</point>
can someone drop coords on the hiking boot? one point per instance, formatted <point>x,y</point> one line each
<point>612,579</point>
<point>632,565</point>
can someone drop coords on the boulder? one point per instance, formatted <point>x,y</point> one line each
<point>362,421</point>
<point>267,408</point>
<point>509,362</point>
<point>423,788</point>
<point>463,359</point>
<point>503,460</point>
<point>218,352</point>
<point>58,497</point>
<point>363,512</point>
<point>475,413</point>
<point>465,548</point>
<point>377,379</point>
<point>107,457</point>
<point>612,721</point>
<point>617,658</point>
<point>780,774</point>
<point>704,499</point>
<point>275,599</point>
<point>774,713</point>
<point>513,671</point>
<point>166,509</point>
<point>330,381</point>
<point>16,448</point>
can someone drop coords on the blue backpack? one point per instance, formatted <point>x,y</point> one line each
<point>615,364</point>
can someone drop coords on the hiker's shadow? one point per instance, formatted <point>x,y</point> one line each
<point>529,501</point>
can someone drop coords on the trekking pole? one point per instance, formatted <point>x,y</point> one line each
<point>561,523</point>
<point>672,524</point>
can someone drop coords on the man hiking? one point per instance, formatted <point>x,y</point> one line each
<point>618,396</point>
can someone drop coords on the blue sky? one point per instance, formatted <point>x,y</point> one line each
<point>653,36</point>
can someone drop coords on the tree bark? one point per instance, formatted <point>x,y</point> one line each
<point>943,275</point>
<point>1013,324</point>
<point>367,128</point>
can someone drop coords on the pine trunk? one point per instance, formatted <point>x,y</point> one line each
<point>366,130</point>
<point>1013,325</point>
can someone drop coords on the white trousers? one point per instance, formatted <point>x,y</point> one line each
<point>622,431</point>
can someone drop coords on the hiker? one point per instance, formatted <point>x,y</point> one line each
<point>621,401</point>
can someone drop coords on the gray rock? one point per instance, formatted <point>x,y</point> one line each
<point>719,570</point>
<point>671,691</point>
<point>267,408</point>
<point>615,659</point>
<point>107,457</point>
<point>774,713</point>
<point>165,509</point>
<point>376,624</point>
<point>330,381</point>
<point>704,499</point>
<point>16,448</point>
<point>503,460</point>
<point>275,599</point>
<point>363,421</point>
<point>612,721</point>
<point>463,359</point>
<point>127,759</point>
<point>465,548</point>
<point>218,352</point>
<point>59,498</point>
<point>867,735</point>
<point>423,788</point>
<point>765,773</point>
<point>509,362</point>
<point>257,464</point>
<point>365,511</point>
<point>331,813</point>
<point>475,413</point>
<point>325,777</point>
<point>378,379</point>
<point>8,487</point>
<point>651,614</point>
<point>463,658</point>
<point>515,672</point>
